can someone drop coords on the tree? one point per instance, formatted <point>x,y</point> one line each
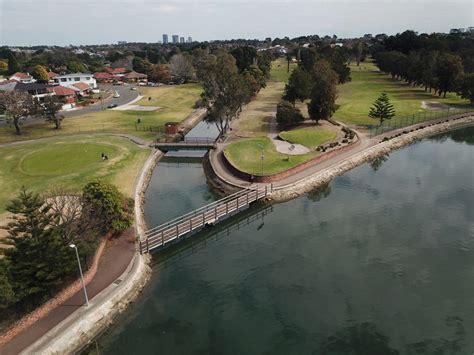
<point>7,296</point>
<point>40,73</point>
<point>382,109</point>
<point>17,106</point>
<point>287,114</point>
<point>466,87</point>
<point>141,65</point>
<point>50,110</point>
<point>181,67</point>
<point>222,88</point>
<point>299,86</point>
<point>158,73</point>
<point>104,204</point>
<point>448,71</point>
<point>13,65</point>
<point>39,260</point>
<point>324,92</point>
<point>3,67</point>
<point>245,56</point>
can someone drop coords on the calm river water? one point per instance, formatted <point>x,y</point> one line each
<point>381,261</point>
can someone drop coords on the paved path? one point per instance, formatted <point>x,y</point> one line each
<point>116,257</point>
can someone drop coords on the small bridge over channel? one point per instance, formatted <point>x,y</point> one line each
<point>211,214</point>
<point>191,143</point>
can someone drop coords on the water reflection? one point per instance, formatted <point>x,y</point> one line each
<point>465,135</point>
<point>377,162</point>
<point>319,193</point>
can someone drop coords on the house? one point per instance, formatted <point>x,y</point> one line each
<point>8,85</point>
<point>134,77</point>
<point>81,89</point>
<point>104,77</point>
<point>37,90</point>
<point>22,77</point>
<point>70,79</point>
<point>65,94</point>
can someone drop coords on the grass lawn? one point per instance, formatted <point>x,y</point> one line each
<point>255,118</point>
<point>68,163</point>
<point>310,137</point>
<point>356,97</point>
<point>176,104</point>
<point>246,156</point>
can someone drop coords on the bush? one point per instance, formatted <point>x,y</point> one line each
<point>287,114</point>
<point>110,209</point>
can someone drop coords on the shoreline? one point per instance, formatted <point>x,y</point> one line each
<point>296,189</point>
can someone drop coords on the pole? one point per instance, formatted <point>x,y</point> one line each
<point>82,276</point>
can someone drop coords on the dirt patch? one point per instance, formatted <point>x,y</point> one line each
<point>433,105</point>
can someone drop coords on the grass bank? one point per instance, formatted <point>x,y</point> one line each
<point>68,163</point>
<point>246,155</point>
<point>356,97</point>
<point>310,137</point>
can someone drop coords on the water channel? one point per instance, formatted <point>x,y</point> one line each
<point>381,261</point>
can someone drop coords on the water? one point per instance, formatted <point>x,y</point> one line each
<point>381,261</point>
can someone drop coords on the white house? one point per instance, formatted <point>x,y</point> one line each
<point>71,79</point>
<point>25,78</point>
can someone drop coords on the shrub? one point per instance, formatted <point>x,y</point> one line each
<point>287,114</point>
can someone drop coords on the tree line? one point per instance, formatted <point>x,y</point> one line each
<point>440,63</point>
<point>38,260</point>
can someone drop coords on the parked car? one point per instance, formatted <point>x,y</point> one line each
<point>112,106</point>
<point>133,88</point>
<point>118,83</point>
<point>116,95</point>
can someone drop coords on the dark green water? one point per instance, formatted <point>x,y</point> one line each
<point>379,262</point>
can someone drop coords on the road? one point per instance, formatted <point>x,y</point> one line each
<point>125,92</point>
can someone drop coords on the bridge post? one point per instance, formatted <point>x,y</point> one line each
<point>227,208</point>
<point>140,245</point>
<point>177,231</point>
<point>191,224</point>
<point>147,247</point>
<point>265,190</point>
<point>247,194</point>
<point>215,213</point>
<point>162,238</point>
<point>203,218</point>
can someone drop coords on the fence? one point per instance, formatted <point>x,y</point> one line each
<point>400,122</point>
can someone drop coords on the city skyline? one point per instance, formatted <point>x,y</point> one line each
<point>219,20</point>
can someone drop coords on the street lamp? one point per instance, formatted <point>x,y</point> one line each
<point>80,271</point>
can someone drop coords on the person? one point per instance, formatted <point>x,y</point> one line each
<point>102,155</point>
<point>106,157</point>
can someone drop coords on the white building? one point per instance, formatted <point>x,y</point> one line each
<point>25,78</point>
<point>71,79</point>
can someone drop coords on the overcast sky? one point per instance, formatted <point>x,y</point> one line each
<point>62,22</point>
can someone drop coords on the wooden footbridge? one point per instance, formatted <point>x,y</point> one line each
<point>191,143</point>
<point>211,214</point>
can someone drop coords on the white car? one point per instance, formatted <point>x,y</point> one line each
<point>116,95</point>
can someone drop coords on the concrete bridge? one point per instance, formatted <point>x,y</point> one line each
<point>196,143</point>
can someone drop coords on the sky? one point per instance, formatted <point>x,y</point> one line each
<point>79,22</point>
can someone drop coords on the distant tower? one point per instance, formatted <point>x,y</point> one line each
<point>165,38</point>
<point>175,39</point>
<point>181,39</point>
<point>190,39</point>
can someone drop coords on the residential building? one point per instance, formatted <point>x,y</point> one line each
<point>181,39</point>
<point>37,90</point>
<point>165,38</point>
<point>104,77</point>
<point>22,77</point>
<point>134,77</point>
<point>66,95</point>
<point>175,39</point>
<point>190,39</point>
<point>81,89</point>
<point>70,79</point>
<point>8,85</point>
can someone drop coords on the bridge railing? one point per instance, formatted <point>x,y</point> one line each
<point>166,232</point>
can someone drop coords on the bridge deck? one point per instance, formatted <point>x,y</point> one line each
<point>210,214</point>
<point>187,143</point>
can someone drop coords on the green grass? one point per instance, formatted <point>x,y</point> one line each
<point>245,154</point>
<point>68,163</point>
<point>255,118</point>
<point>176,104</point>
<point>356,97</point>
<point>310,137</point>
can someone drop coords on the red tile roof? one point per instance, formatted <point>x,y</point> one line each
<point>135,75</point>
<point>52,74</point>
<point>21,75</point>
<point>61,90</point>
<point>119,71</point>
<point>103,75</point>
<point>81,86</point>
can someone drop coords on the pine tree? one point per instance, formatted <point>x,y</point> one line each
<point>324,93</point>
<point>39,259</point>
<point>382,109</point>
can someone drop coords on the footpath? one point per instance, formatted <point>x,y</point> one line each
<point>117,255</point>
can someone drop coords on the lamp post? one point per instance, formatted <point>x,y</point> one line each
<point>80,271</point>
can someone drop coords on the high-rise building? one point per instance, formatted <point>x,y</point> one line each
<point>181,39</point>
<point>175,39</point>
<point>190,39</point>
<point>165,38</point>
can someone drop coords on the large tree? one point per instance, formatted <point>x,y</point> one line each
<point>39,260</point>
<point>466,87</point>
<point>17,106</point>
<point>50,110</point>
<point>382,109</point>
<point>324,92</point>
<point>182,67</point>
<point>448,71</point>
<point>299,86</point>
<point>222,88</point>
<point>40,73</point>
<point>13,65</point>
<point>287,114</point>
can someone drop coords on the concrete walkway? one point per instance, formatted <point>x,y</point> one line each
<point>116,258</point>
